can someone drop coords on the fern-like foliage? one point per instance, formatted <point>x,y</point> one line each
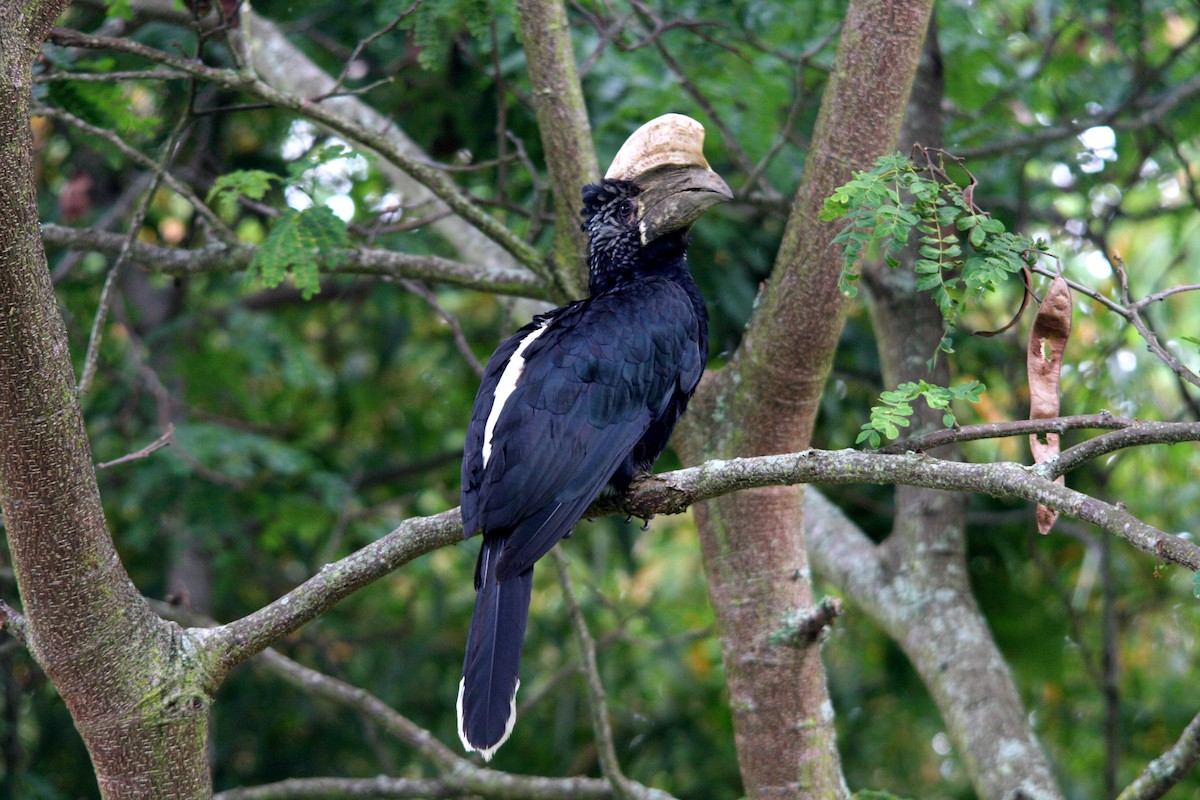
<point>435,25</point>
<point>298,241</point>
<point>253,183</point>
<point>105,105</point>
<point>297,244</point>
<point>895,200</point>
<point>962,254</point>
<point>895,408</point>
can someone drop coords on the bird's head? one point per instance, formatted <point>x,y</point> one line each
<point>659,184</point>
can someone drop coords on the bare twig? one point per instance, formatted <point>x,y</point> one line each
<point>601,725</point>
<point>341,78</point>
<point>92,355</point>
<point>157,444</point>
<point>997,430</point>
<point>1147,334</point>
<point>460,340</point>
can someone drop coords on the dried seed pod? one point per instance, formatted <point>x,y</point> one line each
<point>1047,343</point>
<point>672,139</point>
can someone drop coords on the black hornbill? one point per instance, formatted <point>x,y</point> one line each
<point>583,397</point>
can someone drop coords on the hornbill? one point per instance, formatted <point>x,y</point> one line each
<point>582,398</point>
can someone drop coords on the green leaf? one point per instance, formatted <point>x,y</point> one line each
<point>253,183</point>
<point>296,245</point>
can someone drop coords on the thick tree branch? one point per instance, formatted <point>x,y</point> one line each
<point>224,257</point>
<point>674,492</point>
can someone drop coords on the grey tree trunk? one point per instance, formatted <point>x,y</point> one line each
<point>765,401</point>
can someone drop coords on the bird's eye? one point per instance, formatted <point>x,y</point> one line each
<point>626,208</point>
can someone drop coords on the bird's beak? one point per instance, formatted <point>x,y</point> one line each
<point>673,197</point>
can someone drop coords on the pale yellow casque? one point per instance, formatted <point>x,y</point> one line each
<point>672,139</point>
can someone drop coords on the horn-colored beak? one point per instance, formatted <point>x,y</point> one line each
<point>673,198</point>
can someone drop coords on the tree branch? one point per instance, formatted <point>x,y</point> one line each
<point>1170,768</point>
<point>997,430</point>
<point>601,725</point>
<point>223,257</point>
<point>674,492</point>
<point>433,179</point>
<point>458,776</point>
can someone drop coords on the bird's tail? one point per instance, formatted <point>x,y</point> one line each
<point>487,694</point>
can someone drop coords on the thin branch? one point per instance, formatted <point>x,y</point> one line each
<point>1139,433</point>
<point>460,339</point>
<point>1151,113</point>
<point>601,725</point>
<point>1170,768</point>
<point>227,257</point>
<point>997,430</point>
<point>433,179</point>
<point>1151,339</point>
<point>106,77</point>
<point>156,445</point>
<point>324,788</point>
<point>458,776</point>
<point>92,355</point>
<point>362,45</point>
<point>369,706</point>
<point>12,621</point>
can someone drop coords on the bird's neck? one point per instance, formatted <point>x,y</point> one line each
<point>665,257</point>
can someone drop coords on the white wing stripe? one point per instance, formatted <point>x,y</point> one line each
<point>504,389</point>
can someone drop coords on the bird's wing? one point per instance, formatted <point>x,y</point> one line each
<point>473,462</point>
<point>590,384</point>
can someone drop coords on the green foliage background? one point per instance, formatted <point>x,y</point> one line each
<point>312,417</point>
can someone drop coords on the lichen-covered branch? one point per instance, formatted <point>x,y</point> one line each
<point>674,492</point>
<point>1170,768</point>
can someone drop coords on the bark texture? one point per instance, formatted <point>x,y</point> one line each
<point>765,401</point>
<point>120,669</point>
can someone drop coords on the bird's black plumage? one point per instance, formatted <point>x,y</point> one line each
<point>582,397</point>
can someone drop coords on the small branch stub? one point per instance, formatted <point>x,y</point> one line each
<point>805,626</point>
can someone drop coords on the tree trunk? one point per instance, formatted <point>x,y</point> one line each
<point>122,671</point>
<point>765,401</point>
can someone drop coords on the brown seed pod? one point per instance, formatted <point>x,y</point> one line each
<point>672,139</point>
<point>1047,344</point>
